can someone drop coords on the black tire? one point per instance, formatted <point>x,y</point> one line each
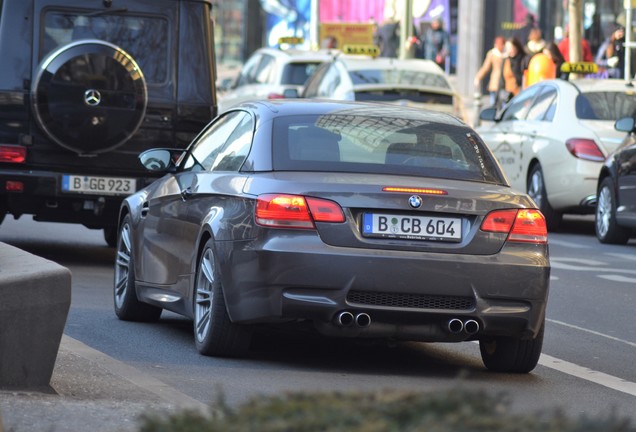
<point>536,190</point>
<point>605,224</point>
<point>214,333</point>
<point>505,354</point>
<point>89,96</point>
<point>110,236</point>
<point>127,305</point>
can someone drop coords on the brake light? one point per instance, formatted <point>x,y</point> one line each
<point>414,190</point>
<point>12,153</point>
<point>525,225</point>
<point>275,96</point>
<point>585,149</point>
<point>295,211</point>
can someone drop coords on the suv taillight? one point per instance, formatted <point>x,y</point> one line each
<point>525,225</point>
<point>584,148</point>
<point>295,211</point>
<point>12,153</point>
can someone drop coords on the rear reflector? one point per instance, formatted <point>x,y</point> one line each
<point>295,211</point>
<point>525,225</point>
<point>585,149</point>
<point>12,153</point>
<point>414,190</point>
<point>14,186</point>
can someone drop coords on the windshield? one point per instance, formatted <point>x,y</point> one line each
<point>394,76</point>
<point>607,105</point>
<point>382,144</point>
<point>144,38</point>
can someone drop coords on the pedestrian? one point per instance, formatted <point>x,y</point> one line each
<point>535,43</point>
<point>564,47</point>
<point>514,66</point>
<point>554,53</point>
<point>387,38</point>
<point>493,64</point>
<point>435,43</point>
<point>615,54</point>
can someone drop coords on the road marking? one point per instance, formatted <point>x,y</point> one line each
<point>587,265</point>
<point>595,333</point>
<point>624,256</point>
<point>567,244</point>
<point>587,374</point>
<point>618,278</point>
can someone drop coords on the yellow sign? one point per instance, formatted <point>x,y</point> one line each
<point>579,68</point>
<point>291,40</point>
<point>370,50</point>
<point>337,35</point>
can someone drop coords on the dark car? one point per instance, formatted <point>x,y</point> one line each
<point>367,220</point>
<point>616,207</point>
<point>85,86</point>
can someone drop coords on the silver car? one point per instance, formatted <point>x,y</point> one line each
<point>367,220</point>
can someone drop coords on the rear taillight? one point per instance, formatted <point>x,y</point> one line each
<point>525,225</point>
<point>583,148</point>
<point>12,153</point>
<point>295,211</point>
<point>275,96</point>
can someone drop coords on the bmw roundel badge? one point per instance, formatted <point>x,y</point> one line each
<point>415,201</point>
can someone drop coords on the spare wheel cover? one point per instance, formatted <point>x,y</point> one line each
<point>89,96</point>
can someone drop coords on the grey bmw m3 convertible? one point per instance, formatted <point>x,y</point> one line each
<point>366,220</point>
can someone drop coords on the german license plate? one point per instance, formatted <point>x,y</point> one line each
<point>98,185</point>
<point>412,227</point>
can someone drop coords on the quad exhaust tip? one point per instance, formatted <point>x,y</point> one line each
<point>346,319</point>
<point>456,326</point>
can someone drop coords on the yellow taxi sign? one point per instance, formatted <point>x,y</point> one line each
<point>579,68</point>
<point>370,50</point>
<point>291,40</point>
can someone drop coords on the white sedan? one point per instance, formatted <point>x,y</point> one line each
<point>406,82</point>
<point>552,138</point>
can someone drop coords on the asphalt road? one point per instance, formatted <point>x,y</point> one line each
<point>586,366</point>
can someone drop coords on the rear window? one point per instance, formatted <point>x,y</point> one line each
<point>297,73</point>
<point>605,105</point>
<point>381,145</point>
<point>144,38</point>
<point>410,95</point>
<point>393,76</point>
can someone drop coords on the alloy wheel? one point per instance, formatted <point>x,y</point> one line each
<point>122,265</point>
<point>204,295</point>
<point>603,212</point>
<point>535,189</point>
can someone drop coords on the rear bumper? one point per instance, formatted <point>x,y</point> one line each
<point>407,295</point>
<point>42,197</point>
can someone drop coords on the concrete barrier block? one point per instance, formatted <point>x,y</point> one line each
<point>35,297</point>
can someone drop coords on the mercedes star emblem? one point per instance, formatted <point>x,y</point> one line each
<point>415,201</point>
<point>92,97</point>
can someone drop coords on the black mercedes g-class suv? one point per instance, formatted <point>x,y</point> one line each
<point>85,86</point>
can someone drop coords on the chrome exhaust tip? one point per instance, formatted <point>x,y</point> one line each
<point>363,320</point>
<point>345,318</point>
<point>471,327</point>
<point>455,326</point>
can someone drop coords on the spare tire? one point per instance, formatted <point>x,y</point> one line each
<point>89,96</point>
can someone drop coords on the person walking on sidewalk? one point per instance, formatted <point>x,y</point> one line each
<point>493,64</point>
<point>514,65</point>
<point>435,43</point>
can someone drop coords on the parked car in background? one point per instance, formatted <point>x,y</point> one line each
<point>552,139</point>
<point>616,208</point>
<point>85,86</point>
<point>367,220</point>
<point>271,73</point>
<point>409,82</point>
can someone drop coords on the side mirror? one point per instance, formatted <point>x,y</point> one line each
<point>625,124</point>
<point>291,93</point>
<point>488,114</point>
<point>158,160</point>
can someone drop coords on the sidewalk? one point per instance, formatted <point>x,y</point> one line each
<point>90,392</point>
